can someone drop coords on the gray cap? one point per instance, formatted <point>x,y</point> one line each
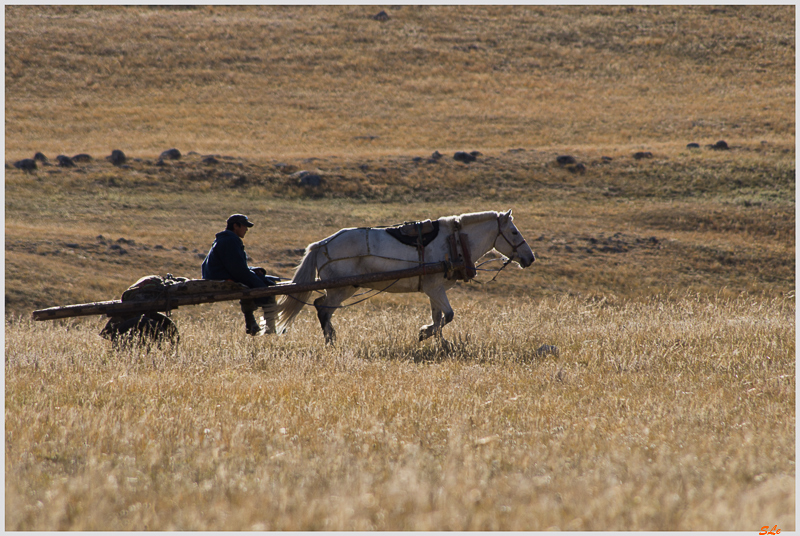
<point>241,219</point>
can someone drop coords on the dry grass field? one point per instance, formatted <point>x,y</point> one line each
<point>655,416</point>
<point>665,279</point>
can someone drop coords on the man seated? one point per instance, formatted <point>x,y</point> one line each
<point>226,260</point>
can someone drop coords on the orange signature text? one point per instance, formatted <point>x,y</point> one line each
<point>766,530</point>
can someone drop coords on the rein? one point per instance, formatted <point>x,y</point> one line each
<point>496,272</point>
<point>348,304</point>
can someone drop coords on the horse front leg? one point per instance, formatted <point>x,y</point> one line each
<point>441,313</point>
<point>431,329</point>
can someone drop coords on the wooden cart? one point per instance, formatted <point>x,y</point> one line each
<point>143,318</point>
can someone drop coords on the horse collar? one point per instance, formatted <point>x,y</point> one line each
<point>459,249</point>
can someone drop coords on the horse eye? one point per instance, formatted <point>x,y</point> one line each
<point>515,233</point>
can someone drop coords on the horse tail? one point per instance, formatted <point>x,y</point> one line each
<point>290,305</point>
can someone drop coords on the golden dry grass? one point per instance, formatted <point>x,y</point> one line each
<point>666,282</point>
<point>655,416</point>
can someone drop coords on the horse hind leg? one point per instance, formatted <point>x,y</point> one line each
<point>324,315</point>
<point>326,306</point>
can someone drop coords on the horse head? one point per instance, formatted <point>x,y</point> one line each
<point>511,243</point>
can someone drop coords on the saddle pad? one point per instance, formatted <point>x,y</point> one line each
<point>409,232</point>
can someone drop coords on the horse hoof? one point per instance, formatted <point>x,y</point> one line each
<point>425,332</point>
<point>330,337</point>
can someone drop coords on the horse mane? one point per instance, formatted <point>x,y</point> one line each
<point>473,217</point>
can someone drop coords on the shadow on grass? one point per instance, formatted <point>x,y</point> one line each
<point>459,348</point>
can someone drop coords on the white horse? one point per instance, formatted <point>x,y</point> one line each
<point>359,251</point>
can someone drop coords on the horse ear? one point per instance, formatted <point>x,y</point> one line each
<point>505,217</point>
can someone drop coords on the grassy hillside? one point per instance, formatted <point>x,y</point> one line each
<point>665,273</point>
<point>696,221</point>
<point>316,81</point>
<point>364,103</point>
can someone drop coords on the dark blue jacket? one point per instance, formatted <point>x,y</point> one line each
<point>227,260</point>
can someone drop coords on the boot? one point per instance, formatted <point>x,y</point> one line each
<point>251,326</point>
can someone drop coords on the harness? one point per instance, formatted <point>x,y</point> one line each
<point>418,234</point>
<point>421,234</point>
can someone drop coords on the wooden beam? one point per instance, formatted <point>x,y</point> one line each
<point>124,308</point>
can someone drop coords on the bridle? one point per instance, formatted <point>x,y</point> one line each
<point>514,247</point>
